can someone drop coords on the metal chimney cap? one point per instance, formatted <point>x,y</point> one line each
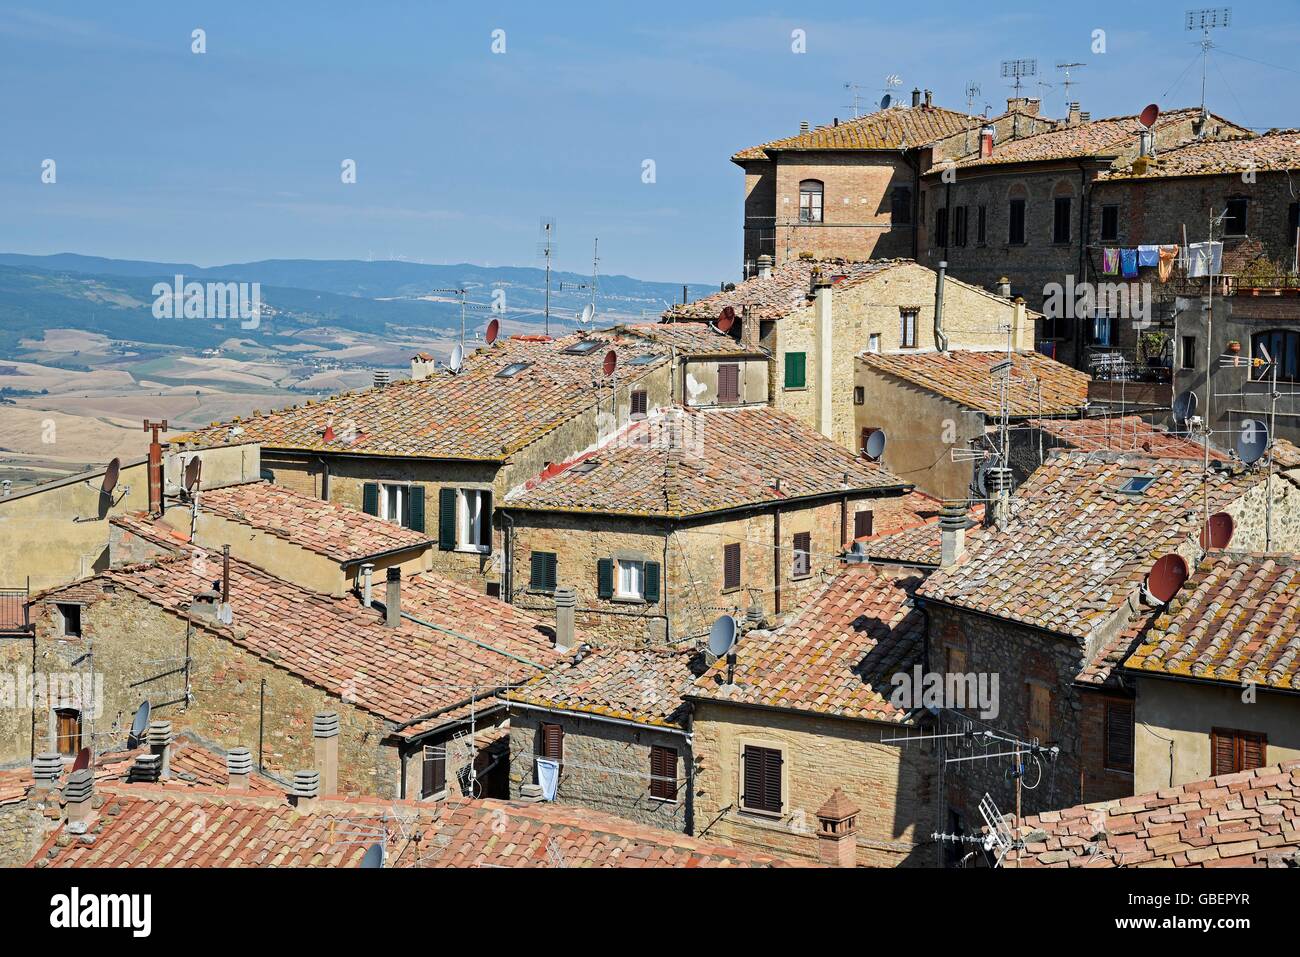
<point>306,784</point>
<point>80,786</point>
<point>47,766</point>
<point>239,761</point>
<point>325,724</point>
<point>160,733</point>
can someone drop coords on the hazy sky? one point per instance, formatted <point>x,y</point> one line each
<point>235,154</point>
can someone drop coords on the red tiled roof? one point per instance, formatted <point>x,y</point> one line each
<point>837,656</point>
<point>1247,819</point>
<point>691,338</point>
<point>326,528</point>
<point>1123,433</point>
<point>693,461</point>
<point>1273,151</point>
<point>1039,385</point>
<point>898,127</point>
<point>919,544</point>
<point>782,292</point>
<point>1235,620</point>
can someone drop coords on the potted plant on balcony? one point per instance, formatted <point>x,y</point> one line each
<point>1234,346</point>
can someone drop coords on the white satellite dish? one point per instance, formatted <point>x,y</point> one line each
<point>457,358</point>
<point>722,636</point>
<point>588,313</point>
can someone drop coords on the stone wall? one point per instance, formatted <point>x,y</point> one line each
<point>24,826</point>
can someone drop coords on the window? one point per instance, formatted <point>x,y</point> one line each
<point>959,226</point>
<point>627,579</point>
<point>433,777</point>
<point>941,226</point>
<point>630,582</point>
<point>1137,484</point>
<point>551,742</point>
<point>1292,224</point>
<point>796,370</point>
<point>810,201</point>
<point>762,780</point>
<point>69,620</point>
<point>1234,220</point>
<point>1040,712</point>
<point>981,225</point>
<point>955,660</point>
<point>584,347</point>
<point>802,555</point>
<point>639,402</point>
<point>67,731</point>
<point>473,520</point>
<point>1283,347</point>
<point>1118,754</point>
<point>542,571</point>
<point>1016,222</point>
<point>663,773</point>
<point>731,566</point>
<point>873,342</point>
<point>900,206</point>
<point>1233,751</point>
<point>1061,220</point>
<point>1101,330</point>
<point>1189,352</point>
<point>392,501</point>
<point>907,328</point>
<point>728,382</point>
<point>1110,222</point>
<point>864,523</point>
<point>400,504</point>
<point>513,369</point>
<point>859,395</point>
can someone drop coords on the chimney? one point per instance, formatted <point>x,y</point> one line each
<point>997,482</point>
<point>160,743</point>
<point>1024,104</point>
<point>530,793</point>
<point>306,789</point>
<point>1004,287</point>
<point>821,288</point>
<point>325,740</point>
<point>154,470</point>
<point>940,340</point>
<point>916,98</point>
<point>46,768</point>
<point>1074,118</point>
<point>750,329</point>
<point>146,769</point>
<point>367,583</point>
<point>803,126</point>
<point>206,604</point>
<point>393,598</point>
<point>79,798</point>
<point>1085,117</point>
<point>928,101</point>
<point>566,605</point>
<point>952,531</point>
<point>225,583</point>
<point>1019,318</point>
<point>239,768</point>
<point>837,831</point>
<point>1146,144</point>
<point>420,366</point>
<point>380,380</point>
<point>986,142</point>
<point>764,266</point>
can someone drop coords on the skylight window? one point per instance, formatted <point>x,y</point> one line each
<point>644,360</point>
<point>584,347</point>
<point>582,468</point>
<point>513,369</point>
<point>1137,484</point>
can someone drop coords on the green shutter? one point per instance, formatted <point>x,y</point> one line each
<point>447,519</point>
<point>370,498</point>
<point>542,571</point>
<point>605,578</point>
<point>552,561</point>
<point>651,582</point>
<point>415,521</point>
<point>795,370</point>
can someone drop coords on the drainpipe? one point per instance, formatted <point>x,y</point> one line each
<point>940,339</point>
<point>822,313</point>
<point>776,559</point>
<point>1085,227</point>
<point>916,205</point>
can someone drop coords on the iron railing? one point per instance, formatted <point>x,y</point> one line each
<point>13,610</point>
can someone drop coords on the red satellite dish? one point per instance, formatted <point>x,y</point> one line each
<point>1149,116</point>
<point>493,330</point>
<point>83,760</point>
<point>1220,529</point>
<point>611,362</point>
<point>1166,577</point>
<point>726,319</point>
<point>110,476</point>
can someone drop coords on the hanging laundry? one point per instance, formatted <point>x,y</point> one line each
<point>1205,259</point>
<point>1110,262</point>
<point>1128,263</point>
<point>548,776</point>
<point>1148,255</point>
<point>1168,256</point>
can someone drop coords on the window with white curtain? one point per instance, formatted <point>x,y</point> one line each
<point>474,520</point>
<point>392,498</point>
<point>631,579</point>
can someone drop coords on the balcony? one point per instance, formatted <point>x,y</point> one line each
<point>13,611</point>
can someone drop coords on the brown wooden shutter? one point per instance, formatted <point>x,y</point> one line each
<point>1040,713</point>
<point>1253,750</point>
<point>762,779</point>
<point>553,742</point>
<point>1223,752</point>
<point>663,773</point>
<point>864,523</point>
<point>639,402</point>
<point>731,565</point>
<point>728,382</point>
<point>68,731</point>
<point>434,778</point>
<point>802,554</point>
<point>1119,735</point>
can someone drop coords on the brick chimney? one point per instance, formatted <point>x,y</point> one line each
<point>306,789</point>
<point>929,99</point>
<point>46,768</point>
<point>1024,104</point>
<point>79,797</point>
<point>160,744</point>
<point>147,768</point>
<point>1075,117</point>
<point>952,531</point>
<point>750,330</point>
<point>325,740</point>
<point>916,97</point>
<point>239,768</point>
<point>837,831</point>
<point>986,142</point>
<point>822,286</point>
<point>393,598</point>
<point>566,606</point>
<point>764,266</point>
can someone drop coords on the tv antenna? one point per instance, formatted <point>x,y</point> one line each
<point>1067,82</point>
<point>972,94</point>
<point>588,313</point>
<point>855,97</point>
<point>546,249</point>
<point>1017,70</point>
<point>1205,20</point>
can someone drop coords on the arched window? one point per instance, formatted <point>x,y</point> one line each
<point>811,192</point>
<point>1283,347</point>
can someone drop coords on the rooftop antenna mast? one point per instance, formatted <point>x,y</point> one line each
<point>972,94</point>
<point>1017,70</point>
<point>1067,82</point>
<point>546,249</point>
<point>1205,20</point>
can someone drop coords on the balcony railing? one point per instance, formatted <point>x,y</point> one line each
<point>1108,364</point>
<point>13,611</point>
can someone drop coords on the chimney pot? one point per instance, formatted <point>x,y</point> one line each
<point>325,732</point>
<point>380,378</point>
<point>986,142</point>
<point>566,606</point>
<point>46,768</point>
<point>306,788</point>
<point>803,126</point>
<point>1004,287</point>
<point>952,531</point>
<point>78,795</point>
<point>764,266</point>
<point>367,583</point>
<point>160,740</point>
<point>837,831</point>
<point>147,768</point>
<point>393,598</point>
<point>916,97</point>
<point>928,100</point>
<point>239,768</point>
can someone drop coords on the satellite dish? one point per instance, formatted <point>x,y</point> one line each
<point>610,363</point>
<point>1252,441</point>
<point>885,101</point>
<point>726,319</point>
<point>83,760</point>
<point>1149,116</point>
<point>374,856</point>
<point>110,477</point>
<point>588,313</point>
<point>493,330</point>
<point>1166,577</point>
<point>1184,407</point>
<point>875,447</point>
<point>722,636</point>
<point>457,358</point>
<point>1218,533</point>
<point>138,725</point>
<point>192,469</point>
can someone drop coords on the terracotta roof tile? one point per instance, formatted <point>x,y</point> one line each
<point>918,544</point>
<point>837,656</point>
<point>1123,433</point>
<point>897,127</point>
<point>1274,150</point>
<point>691,338</point>
<point>782,292</point>
<point>1039,385</point>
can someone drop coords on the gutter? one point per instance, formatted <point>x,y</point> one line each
<point>485,647</point>
<point>669,729</point>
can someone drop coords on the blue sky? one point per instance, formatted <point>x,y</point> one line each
<point>235,154</point>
